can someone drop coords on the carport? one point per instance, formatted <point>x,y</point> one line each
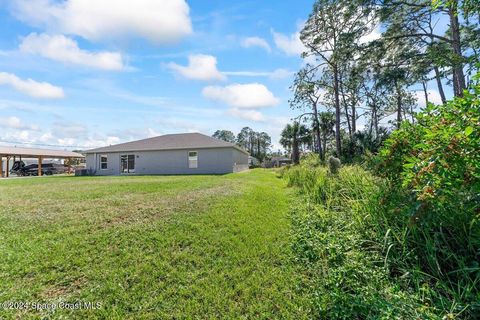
<point>11,153</point>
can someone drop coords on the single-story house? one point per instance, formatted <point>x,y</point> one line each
<point>278,162</point>
<point>185,153</point>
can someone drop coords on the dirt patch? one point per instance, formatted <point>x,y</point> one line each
<point>57,291</point>
<point>147,208</point>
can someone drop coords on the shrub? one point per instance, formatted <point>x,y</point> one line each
<point>403,244</point>
<point>335,236</point>
<point>436,163</point>
<point>333,165</point>
<point>310,160</point>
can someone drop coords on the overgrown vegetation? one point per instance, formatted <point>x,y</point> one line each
<point>402,241</point>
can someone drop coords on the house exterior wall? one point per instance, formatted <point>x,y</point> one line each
<point>240,161</point>
<point>210,161</point>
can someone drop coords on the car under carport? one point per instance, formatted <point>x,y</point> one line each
<point>14,153</point>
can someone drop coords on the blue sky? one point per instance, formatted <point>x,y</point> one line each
<point>78,74</point>
<point>88,73</point>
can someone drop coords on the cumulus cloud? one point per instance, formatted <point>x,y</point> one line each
<point>16,123</point>
<point>30,87</point>
<point>291,44</point>
<point>163,21</point>
<point>200,67</point>
<point>64,49</point>
<point>248,96</point>
<point>252,115</point>
<point>433,97</point>
<point>256,42</point>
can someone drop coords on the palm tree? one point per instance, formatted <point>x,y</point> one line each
<point>327,123</point>
<point>292,137</point>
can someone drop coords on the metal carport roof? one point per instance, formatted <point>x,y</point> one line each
<point>35,153</point>
<point>41,154</point>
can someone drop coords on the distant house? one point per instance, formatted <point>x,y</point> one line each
<point>186,153</point>
<point>278,162</point>
<point>253,162</point>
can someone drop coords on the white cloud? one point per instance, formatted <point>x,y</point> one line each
<point>200,67</point>
<point>46,137</point>
<point>69,129</point>
<point>152,133</point>
<point>64,49</point>
<point>291,44</point>
<point>252,115</point>
<point>30,87</point>
<point>274,75</point>
<point>433,97</point>
<point>373,35</point>
<point>16,123</point>
<point>96,142</point>
<point>280,74</point>
<point>256,42</point>
<point>162,21</point>
<point>248,96</point>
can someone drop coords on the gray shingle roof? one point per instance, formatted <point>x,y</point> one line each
<point>169,142</point>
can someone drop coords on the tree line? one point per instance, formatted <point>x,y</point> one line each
<point>256,143</point>
<point>350,76</point>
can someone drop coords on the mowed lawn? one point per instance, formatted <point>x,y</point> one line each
<point>152,247</point>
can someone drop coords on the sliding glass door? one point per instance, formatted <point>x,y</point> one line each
<point>127,163</point>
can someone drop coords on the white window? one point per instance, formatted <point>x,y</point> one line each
<point>193,159</point>
<point>103,162</point>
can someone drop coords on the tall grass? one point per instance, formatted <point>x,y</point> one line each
<point>367,256</point>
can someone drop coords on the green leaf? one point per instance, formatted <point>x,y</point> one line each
<point>468,131</point>
<point>409,165</point>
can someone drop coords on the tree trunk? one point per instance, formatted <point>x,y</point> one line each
<point>399,104</point>
<point>314,142</point>
<point>295,151</point>
<point>375,119</point>
<point>345,107</point>
<point>324,140</point>
<point>252,145</point>
<point>317,130</point>
<point>439,84</point>
<point>338,143</point>
<point>354,119</point>
<point>412,114</point>
<point>458,75</point>
<point>425,92</point>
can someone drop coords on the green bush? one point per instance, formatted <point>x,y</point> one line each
<point>334,164</point>
<point>311,160</point>
<point>436,163</point>
<point>404,243</point>
<point>335,236</point>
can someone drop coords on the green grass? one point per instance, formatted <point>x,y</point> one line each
<point>365,259</point>
<point>150,247</point>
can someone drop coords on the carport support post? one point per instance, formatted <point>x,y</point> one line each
<point>6,169</point>
<point>69,165</point>
<point>1,166</point>
<point>40,166</point>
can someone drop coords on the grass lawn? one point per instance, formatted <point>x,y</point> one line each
<point>150,247</point>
